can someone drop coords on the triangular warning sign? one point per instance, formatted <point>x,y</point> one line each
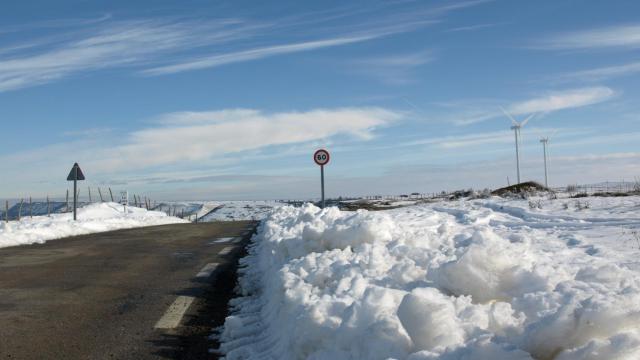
<point>76,173</point>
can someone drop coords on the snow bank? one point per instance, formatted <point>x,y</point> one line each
<point>93,218</point>
<point>449,281</point>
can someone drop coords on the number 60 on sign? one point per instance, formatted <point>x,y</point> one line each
<point>321,157</point>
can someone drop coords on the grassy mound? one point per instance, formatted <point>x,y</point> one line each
<point>521,188</point>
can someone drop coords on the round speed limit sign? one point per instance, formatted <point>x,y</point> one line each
<point>321,157</point>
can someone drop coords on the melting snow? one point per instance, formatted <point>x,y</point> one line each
<point>485,279</point>
<point>93,218</point>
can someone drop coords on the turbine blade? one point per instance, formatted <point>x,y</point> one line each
<point>513,121</point>
<point>523,123</point>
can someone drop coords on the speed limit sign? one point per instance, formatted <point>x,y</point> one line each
<point>321,157</point>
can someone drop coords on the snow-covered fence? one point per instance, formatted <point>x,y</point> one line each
<point>17,208</point>
<point>618,187</point>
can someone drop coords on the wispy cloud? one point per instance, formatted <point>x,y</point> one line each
<point>471,27</point>
<point>263,52</point>
<point>129,43</point>
<point>545,103</point>
<point>618,36</point>
<point>560,100</point>
<point>184,141</point>
<point>392,69</point>
<point>170,45</point>
<point>477,139</point>
<point>602,73</point>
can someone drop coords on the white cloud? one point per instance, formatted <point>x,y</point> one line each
<point>199,136</point>
<point>259,53</point>
<point>560,100</point>
<point>470,27</point>
<point>392,69</point>
<point>184,142</point>
<point>603,73</point>
<point>545,103</point>
<point>619,36</point>
<point>125,43</point>
<point>166,46</point>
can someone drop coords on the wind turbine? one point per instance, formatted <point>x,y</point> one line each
<point>516,130</point>
<point>545,143</point>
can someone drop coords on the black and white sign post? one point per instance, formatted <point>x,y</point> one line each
<point>124,199</point>
<point>75,175</point>
<point>321,157</point>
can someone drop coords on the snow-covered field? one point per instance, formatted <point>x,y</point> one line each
<point>242,210</point>
<point>91,219</point>
<point>482,279</point>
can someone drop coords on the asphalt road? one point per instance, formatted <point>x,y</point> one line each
<point>121,294</point>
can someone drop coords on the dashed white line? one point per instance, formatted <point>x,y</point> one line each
<point>207,270</point>
<point>226,250</point>
<point>223,240</point>
<point>172,317</point>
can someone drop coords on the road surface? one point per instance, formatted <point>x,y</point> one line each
<point>145,293</point>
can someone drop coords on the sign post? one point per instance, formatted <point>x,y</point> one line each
<point>75,175</point>
<point>321,157</point>
<point>124,199</point>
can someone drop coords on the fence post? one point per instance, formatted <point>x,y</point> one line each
<point>48,207</point>
<point>90,201</point>
<point>30,208</point>
<point>100,193</point>
<point>111,194</point>
<point>67,207</point>
<point>20,209</point>
<point>6,211</point>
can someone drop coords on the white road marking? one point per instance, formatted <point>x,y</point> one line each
<point>236,240</point>
<point>172,317</point>
<point>223,240</point>
<point>226,250</point>
<point>207,270</point>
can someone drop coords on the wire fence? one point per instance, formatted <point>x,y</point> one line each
<point>18,208</point>
<point>602,188</point>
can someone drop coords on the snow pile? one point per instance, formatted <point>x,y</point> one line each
<point>449,281</point>
<point>93,218</point>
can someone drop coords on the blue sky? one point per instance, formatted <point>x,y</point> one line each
<point>229,99</point>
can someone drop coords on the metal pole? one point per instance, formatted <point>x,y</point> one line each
<point>6,211</point>
<point>515,131</point>
<point>544,149</point>
<point>322,183</point>
<point>75,193</point>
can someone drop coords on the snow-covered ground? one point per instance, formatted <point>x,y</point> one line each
<point>242,210</point>
<point>483,279</point>
<point>188,210</point>
<point>92,218</point>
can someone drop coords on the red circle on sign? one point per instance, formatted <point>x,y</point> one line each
<point>321,157</point>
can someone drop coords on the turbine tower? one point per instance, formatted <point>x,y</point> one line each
<point>545,142</point>
<point>516,130</point>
